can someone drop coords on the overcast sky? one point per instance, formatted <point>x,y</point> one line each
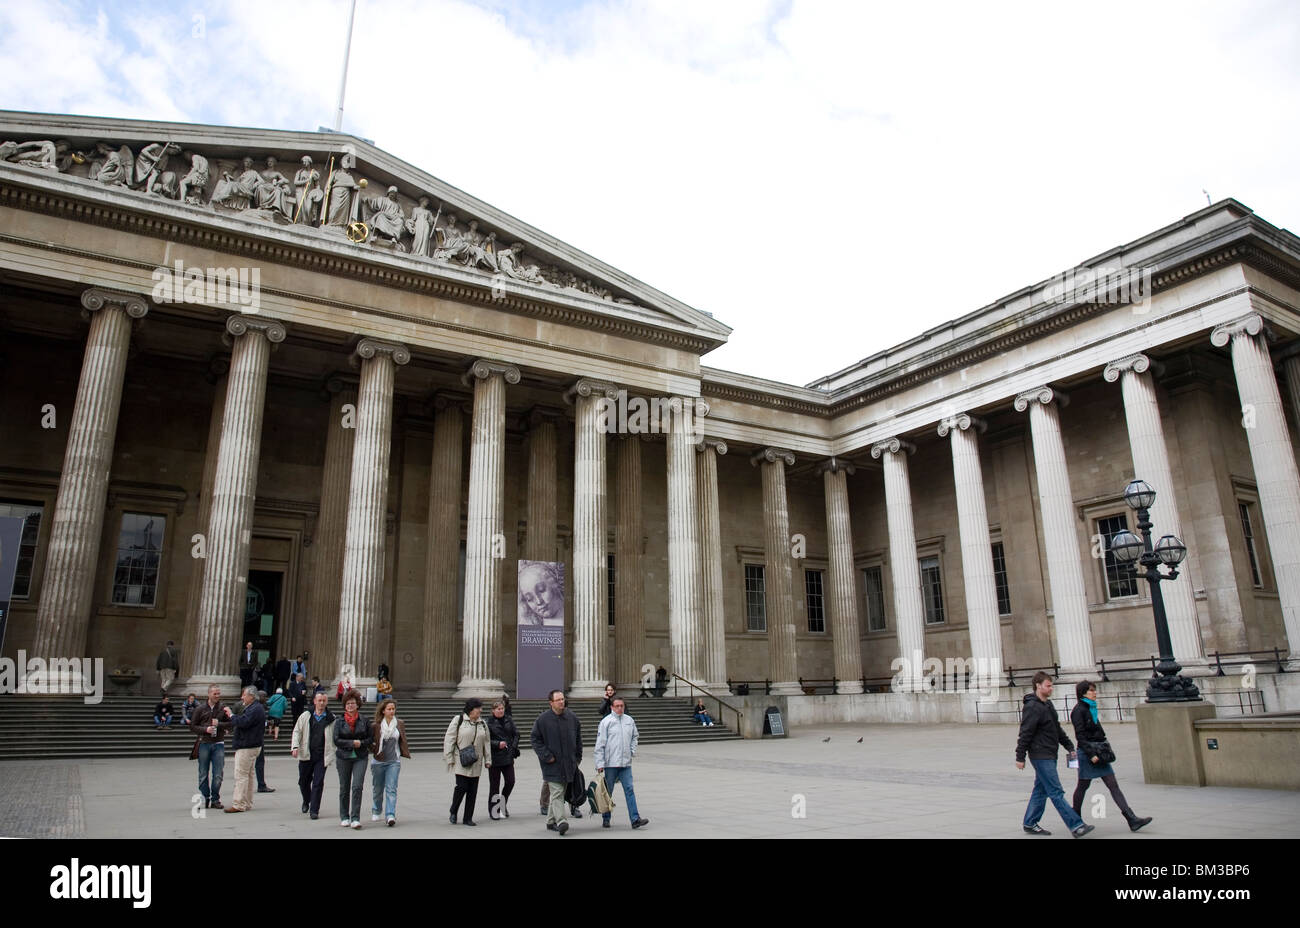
<point>829,179</point>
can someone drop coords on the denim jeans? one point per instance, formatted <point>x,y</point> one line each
<point>383,784</point>
<point>211,756</point>
<point>352,780</point>
<point>162,719</point>
<point>1047,785</point>
<point>622,775</point>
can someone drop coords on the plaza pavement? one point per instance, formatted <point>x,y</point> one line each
<point>902,781</point>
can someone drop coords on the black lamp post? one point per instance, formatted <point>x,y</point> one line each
<point>1166,685</point>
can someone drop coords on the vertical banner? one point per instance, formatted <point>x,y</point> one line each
<point>11,540</point>
<point>540,666</point>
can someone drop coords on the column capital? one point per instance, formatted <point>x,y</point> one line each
<point>1251,324</point>
<point>367,348</point>
<point>718,445</point>
<point>586,387</point>
<point>1044,395</point>
<point>833,464</point>
<point>440,400</point>
<point>771,456</point>
<point>242,324</point>
<point>484,368</point>
<point>961,421</point>
<point>1136,363</point>
<point>541,415</point>
<point>893,445</point>
<point>336,383</point>
<point>97,298</point>
<point>216,368</point>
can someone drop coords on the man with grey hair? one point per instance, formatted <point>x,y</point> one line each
<point>249,727</point>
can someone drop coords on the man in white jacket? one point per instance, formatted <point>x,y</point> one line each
<point>616,741</point>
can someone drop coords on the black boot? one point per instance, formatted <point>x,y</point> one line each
<point>1134,823</point>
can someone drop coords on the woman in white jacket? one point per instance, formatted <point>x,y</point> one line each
<point>466,730</point>
<point>616,741</point>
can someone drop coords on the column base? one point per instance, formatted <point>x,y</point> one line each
<point>786,688</point>
<point>849,687</point>
<point>438,688</point>
<point>586,689</point>
<point>481,688</point>
<point>199,683</point>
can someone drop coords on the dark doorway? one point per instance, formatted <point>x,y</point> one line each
<point>262,612</point>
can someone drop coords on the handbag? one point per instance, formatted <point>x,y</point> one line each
<point>468,756</point>
<point>194,751</point>
<point>1105,753</point>
<point>598,796</point>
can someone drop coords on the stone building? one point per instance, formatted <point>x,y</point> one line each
<point>240,403</point>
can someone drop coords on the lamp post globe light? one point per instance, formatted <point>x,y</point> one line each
<point>1130,552</point>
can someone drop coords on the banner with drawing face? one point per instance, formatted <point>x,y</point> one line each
<point>540,666</point>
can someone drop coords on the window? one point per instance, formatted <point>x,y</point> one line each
<point>812,588</point>
<point>30,513</point>
<point>609,573</point>
<point>1248,530</point>
<point>139,553</point>
<point>874,580</point>
<point>755,604</point>
<point>1119,583</point>
<point>932,590</point>
<point>1000,579</point>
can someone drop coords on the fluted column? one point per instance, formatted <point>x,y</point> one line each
<point>189,640</point>
<point>442,560</point>
<point>629,530</point>
<point>67,592</point>
<point>904,568</point>
<point>1146,437</point>
<point>1272,456</point>
<point>842,600</point>
<point>1056,505</point>
<point>543,455</point>
<point>482,610</point>
<point>230,524</point>
<point>590,577</point>
<point>783,663</point>
<point>1289,362</point>
<point>711,612</point>
<point>684,629</point>
<point>976,549</point>
<point>323,596</point>
<point>362,590</point>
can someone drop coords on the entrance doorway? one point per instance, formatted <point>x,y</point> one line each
<point>262,612</point>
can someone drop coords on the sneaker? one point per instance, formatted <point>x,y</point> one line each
<point>391,821</point>
<point>375,817</point>
<point>1082,830</point>
<point>346,823</point>
<point>356,824</point>
<point>641,823</point>
<point>562,827</point>
<point>1036,830</point>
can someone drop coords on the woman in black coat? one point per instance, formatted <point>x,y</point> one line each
<point>504,740</point>
<point>1092,744</point>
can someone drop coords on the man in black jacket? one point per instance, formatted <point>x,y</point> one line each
<point>557,739</point>
<point>249,727</point>
<point>1040,732</point>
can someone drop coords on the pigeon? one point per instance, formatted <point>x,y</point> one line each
<point>859,741</point>
<point>824,740</point>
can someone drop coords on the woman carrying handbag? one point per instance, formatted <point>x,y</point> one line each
<point>1095,754</point>
<point>505,748</point>
<point>465,750</point>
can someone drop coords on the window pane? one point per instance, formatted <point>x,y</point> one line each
<point>931,590</point>
<point>1118,583</point>
<point>755,604</point>
<point>1000,580</point>
<point>875,584</point>
<point>609,571</point>
<point>30,512</point>
<point>139,545</point>
<point>812,583</point>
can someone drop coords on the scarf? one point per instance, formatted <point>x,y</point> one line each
<point>387,730</point>
<point>351,718</point>
<point>1092,707</point>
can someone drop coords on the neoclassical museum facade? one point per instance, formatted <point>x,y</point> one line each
<point>283,387</point>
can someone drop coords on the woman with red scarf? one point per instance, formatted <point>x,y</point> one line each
<point>352,737</point>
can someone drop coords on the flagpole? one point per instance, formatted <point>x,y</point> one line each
<point>343,82</point>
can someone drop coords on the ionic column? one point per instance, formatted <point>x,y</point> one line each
<point>1289,364</point>
<point>216,375</point>
<point>1146,437</point>
<point>629,530</point>
<point>842,602</point>
<point>482,609</point>
<point>362,590</point>
<point>230,524</point>
<point>684,630</point>
<point>331,529</point>
<point>1056,505</point>
<point>976,548</point>
<point>712,616</point>
<point>590,578</point>
<point>1273,459</point>
<point>904,568</point>
<point>543,444</point>
<point>783,666</point>
<point>442,560</point>
<point>67,592</point>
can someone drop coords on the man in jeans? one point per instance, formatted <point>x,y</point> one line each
<point>616,741</point>
<point>1040,733</point>
<point>313,746</point>
<point>249,727</point>
<point>209,725</point>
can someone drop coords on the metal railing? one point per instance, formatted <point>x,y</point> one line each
<point>695,686</point>
<point>1116,665</point>
<point>1249,702</point>
<point>736,686</point>
<point>1220,663</point>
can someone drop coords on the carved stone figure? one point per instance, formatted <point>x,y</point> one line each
<point>39,154</point>
<point>238,192</point>
<point>420,225</point>
<point>192,184</point>
<point>307,193</point>
<point>116,168</point>
<point>509,262</point>
<point>479,248</point>
<point>151,164</point>
<point>386,219</point>
<point>453,241</point>
<point>273,191</point>
<point>342,189</point>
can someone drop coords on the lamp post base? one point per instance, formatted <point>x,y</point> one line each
<point>1173,688</point>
